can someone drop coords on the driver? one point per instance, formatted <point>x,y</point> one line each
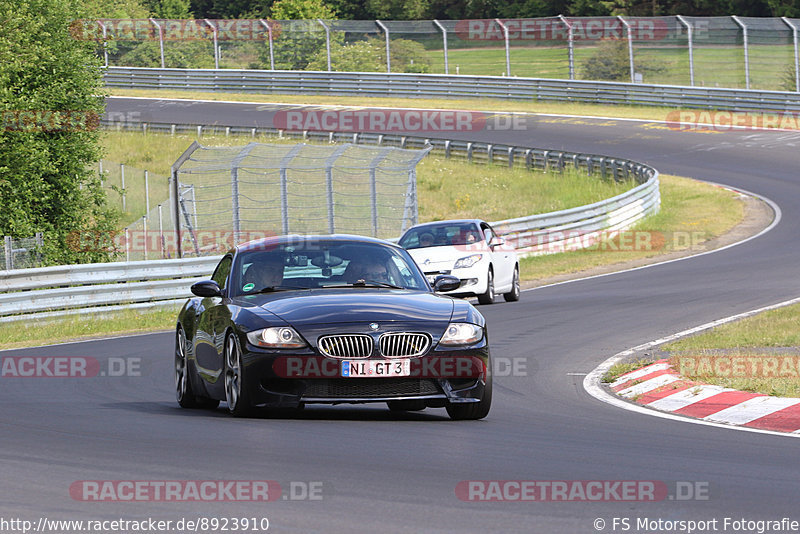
<point>266,271</point>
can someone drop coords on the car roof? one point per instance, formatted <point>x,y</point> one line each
<point>446,222</point>
<point>274,241</point>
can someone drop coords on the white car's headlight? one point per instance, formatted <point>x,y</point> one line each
<point>281,337</point>
<point>461,334</point>
<point>467,261</point>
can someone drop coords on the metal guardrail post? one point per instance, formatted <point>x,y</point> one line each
<point>160,39</point>
<point>505,38</point>
<point>746,51</point>
<point>269,36</point>
<point>444,42</point>
<point>216,43</point>
<point>327,42</point>
<point>630,47</point>
<point>388,52</point>
<point>570,46</point>
<point>796,58</point>
<point>690,35</point>
<point>105,43</point>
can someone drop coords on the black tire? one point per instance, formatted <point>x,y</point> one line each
<point>406,405</point>
<point>473,410</point>
<point>183,384</point>
<point>513,295</point>
<point>236,394</point>
<point>488,297</point>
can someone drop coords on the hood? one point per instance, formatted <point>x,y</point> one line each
<point>444,257</point>
<point>352,305</point>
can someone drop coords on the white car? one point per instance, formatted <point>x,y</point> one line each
<point>470,250</point>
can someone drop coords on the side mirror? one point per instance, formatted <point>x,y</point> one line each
<point>446,282</point>
<point>497,241</point>
<point>206,288</point>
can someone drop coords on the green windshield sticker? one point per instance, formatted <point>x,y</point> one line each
<point>248,287</point>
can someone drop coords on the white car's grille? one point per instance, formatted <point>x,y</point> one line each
<point>403,344</point>
<point>346,346</point>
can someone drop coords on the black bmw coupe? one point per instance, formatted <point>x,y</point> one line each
<point>294,320</point>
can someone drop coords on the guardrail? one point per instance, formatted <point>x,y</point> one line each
<point>450,86</point>
<point>90,288</point>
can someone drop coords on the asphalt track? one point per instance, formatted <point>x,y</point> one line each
<point>382,472</point>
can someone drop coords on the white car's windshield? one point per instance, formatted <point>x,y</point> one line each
<point>440,235</point>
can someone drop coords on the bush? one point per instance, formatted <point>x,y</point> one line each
<point>370,56</point>
<point>611,62</point>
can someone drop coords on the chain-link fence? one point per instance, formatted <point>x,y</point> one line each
<point>223,196</point>
<point>737,52</point>
<point>22,253</point>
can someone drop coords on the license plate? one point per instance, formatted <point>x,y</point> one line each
<point>376,368</point>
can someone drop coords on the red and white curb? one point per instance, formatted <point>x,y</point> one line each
<point>660,387</point>
<point>658,391</point>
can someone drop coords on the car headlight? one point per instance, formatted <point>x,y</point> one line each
<point>281,337</point>
<point>467,261</point>
<point>461,334</point>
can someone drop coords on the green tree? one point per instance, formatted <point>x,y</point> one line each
<point>370,56</point>
<point>169,9</point>
<point>301,38</point>
<point>48,179</point>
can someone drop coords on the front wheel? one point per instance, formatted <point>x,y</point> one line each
<point>235,389</point>
<point>513,295</point>
<point>473,410</point>
<point>488,296</point>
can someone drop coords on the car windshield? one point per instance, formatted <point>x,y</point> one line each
<point>440,235</point>
<point>319,264</point>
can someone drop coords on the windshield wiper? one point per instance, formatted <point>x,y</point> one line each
<point>375,283</point>
<point>270,289</point>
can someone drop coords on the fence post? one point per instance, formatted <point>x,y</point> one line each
<point>160,39</point>
<point>690,32</point>
<point>144,231</point>
<point>505,38</point>
<point>327,42</point>
<point>570,46</point>
<point>796,62</point>
<point>216,43</point>
<point>388,52</point>
<point>630,47</point>
<point>122,178</point>
<point>746,52</point>
<point>444,42</point>
<point>146,193</point>
<point>269,34</point>
<point>161,233</point>
<point>9,252</point>
<point>105,42</point>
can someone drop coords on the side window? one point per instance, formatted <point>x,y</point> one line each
<point>220,275</point>
<point>487,232</point>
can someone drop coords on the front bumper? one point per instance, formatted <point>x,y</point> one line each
<point>439,377</point>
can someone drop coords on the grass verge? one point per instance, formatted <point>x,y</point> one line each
<point>759,354</point>
<point>61,330</point>
<point>619,369</point>
<point>692,213</point>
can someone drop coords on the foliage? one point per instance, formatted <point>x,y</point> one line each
<point>169,9</point>
<point>370,56</point>
<point>177,55</point>
<point>47,177</point>
<point>611,62</point>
